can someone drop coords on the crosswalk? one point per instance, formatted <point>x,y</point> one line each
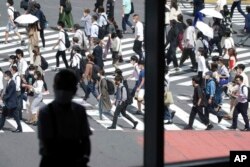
<point>237,19</point>
<point>181,79</point>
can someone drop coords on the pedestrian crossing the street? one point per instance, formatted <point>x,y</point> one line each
<point>237,19</point>
<point>182,106</point>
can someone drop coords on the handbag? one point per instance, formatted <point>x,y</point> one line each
<point>223,81</point>
<point>168,98</point>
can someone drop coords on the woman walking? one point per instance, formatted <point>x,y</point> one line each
<point>33,40</point>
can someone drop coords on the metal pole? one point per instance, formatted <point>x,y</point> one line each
<point>154,79</point>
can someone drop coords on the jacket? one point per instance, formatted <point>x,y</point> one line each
<point>10,96</point>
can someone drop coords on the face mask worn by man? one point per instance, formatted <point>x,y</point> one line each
<point>63,96</point>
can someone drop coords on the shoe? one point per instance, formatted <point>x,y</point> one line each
<point>188,127</point>
<point>135,124</point>
<point>17,131</point>
<point>220,118</point>
<point>172,115</point>
<point>138,112</point>
<point>22,43</point>
<point>168,122</point>
<point>246,129</point>
<point>111,127</point>
<point>231,128</point>
<point>46,92</point>
<point>125,32</point>
<point>209,127</point>
<point>226,98</point>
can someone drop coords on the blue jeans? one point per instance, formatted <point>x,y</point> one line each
<point>167,114</point>
<point>198,15</point>
<point>238,5</point>
<point>134,89</point>
<point>125,22</point>
<point>90,89</point>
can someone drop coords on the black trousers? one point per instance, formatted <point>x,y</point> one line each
<point>171,56</point>
<point>238,5</point>
<point>42,36</point>
<point>188,52</point>
<point>63,54</point>
<point>137,48</point>
<point>12,112</point>
<point>210,108</point>
<point>216,41</point>
<point>20,104</point>
<point>197,110</point>
<point>121,109</point>
<point>240,108</point>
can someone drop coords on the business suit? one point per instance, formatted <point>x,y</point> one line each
<point>10,101</point>
<point>97,53</point>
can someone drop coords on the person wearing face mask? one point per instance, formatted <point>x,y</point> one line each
<point>13,61</point>
<point>63,128</point>
<point>10,103</point>
<point>104,99</point>
<point>120,103</point>
<point>37,88</point>
<point>29,80</point>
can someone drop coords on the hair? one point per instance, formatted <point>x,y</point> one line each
<point>61,23</point>
<point>232,52</point>
<point>189,22</point>
<point>77,48</point>
<point>86,11</point>
<point>8,73</point>
<point>102,72</point>
<point>94,17</point>
<point>240,77</point>
<point>214,67</point>
<point>62,78</point>
<point>14,58</point>
<point>39,75</point>
<point>180,17</point>
<point>76,26</point>
<point>135,15</point>
<point>226,10</point>
<point>19,52</point>
<point>11,2</point>
<point>101,9</point>
<point>141,62</point>
<point>174,5</point>
<point>227,33</point>
<point>118,72</point>
<point>14,68</point>
<point>96,41</point>
<point>134,58</point>
<point>241,66</point>
<point>200,35</point>
<point>32,67</point>
<point>248,9</point>
<point>196,79</point>
<point>75,39</point>
<point>118,78</point>
<point>112,20</point>
<point>216,21</point>
<point>113,35</point>
<point>91,57</point>
<point>37,5</point>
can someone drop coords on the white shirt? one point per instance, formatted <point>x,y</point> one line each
<point>116,44</point>
<point>102,20</point>
<point>243,93</point>
<point>94,30</point>
<point>10,11</point>
<point>62,46</point>
<point>22,66</point>
<point>139,31</point>
<point>189,37</point>
<point>228,43</point>
<point>38,86</point>
<point>201,65</point>
<point>76,60</point>
<point>245,78</point>
<point>1,80</point>
<point>136,71</point>
<point>17,79</point>
<point>174,13</point>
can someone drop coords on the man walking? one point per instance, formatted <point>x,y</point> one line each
<point>236,3</point>
<point>126,4</point>
<point>10,103</point>
<point>120,103</point>
<point>242,105</point>
<point>62,47</point>
<point>139,36</point>
<point>198,104</point>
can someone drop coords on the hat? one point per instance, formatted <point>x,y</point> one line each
<point>210,73</point>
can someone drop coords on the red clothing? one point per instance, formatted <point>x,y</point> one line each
<point>232,62</point>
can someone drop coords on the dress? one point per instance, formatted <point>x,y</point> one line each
<point>104,99</point>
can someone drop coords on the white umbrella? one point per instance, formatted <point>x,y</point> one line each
<point>26,19</point>
<point>212,13</point>
<point>205,29</point>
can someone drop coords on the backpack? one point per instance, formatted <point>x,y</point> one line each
<point>111,87</point>
<point>67,42</point>
<point>44,63</point>
<point>16,14</point>
<point>129,97</point>
<point>82,64</point>
<point>68,7</point>
<point>248,93</point>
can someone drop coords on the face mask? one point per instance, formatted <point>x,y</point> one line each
<point>6,78</point>
<point>63,96</point>
<point>7,4</point>
<point>31,72</point>
<point>134,20</point>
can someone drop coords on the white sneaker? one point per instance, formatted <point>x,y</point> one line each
<point>46,92</point>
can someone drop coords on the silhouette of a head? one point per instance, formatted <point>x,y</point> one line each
<point>65,80</point>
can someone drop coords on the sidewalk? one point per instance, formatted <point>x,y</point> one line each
<point>228,1</point>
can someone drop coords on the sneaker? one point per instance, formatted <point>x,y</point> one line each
<point>246,129</point>
<point>22,43</point>
<point>168,122</point>
<point>231,128</point>
<point>111,127</point>
<point>135,124</point>
<point>225,97</point>
<point>46,92</point>
<point>188,127</point>
<point>209,127</point>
